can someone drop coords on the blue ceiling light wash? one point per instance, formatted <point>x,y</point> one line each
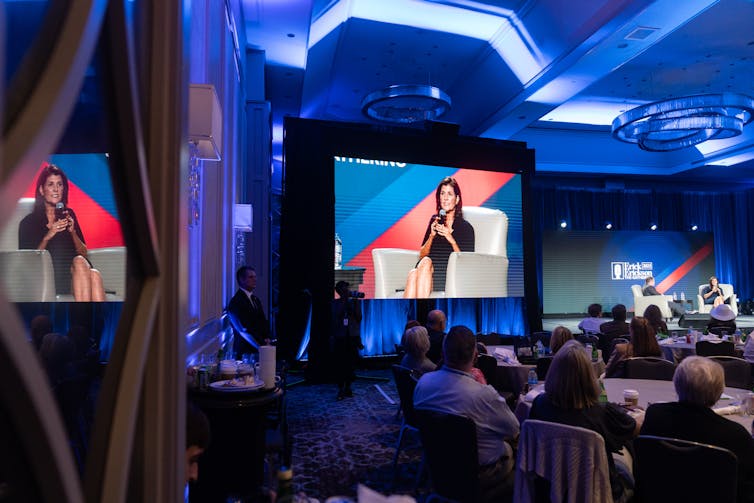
<point>505,33</point>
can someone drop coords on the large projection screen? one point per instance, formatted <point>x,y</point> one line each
<point>580,268</point>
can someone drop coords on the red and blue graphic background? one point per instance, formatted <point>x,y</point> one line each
<point>90,196</point>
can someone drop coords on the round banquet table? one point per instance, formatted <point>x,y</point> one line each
<point>650,391</point>
<point>233,464</point>
<point>677,351</point>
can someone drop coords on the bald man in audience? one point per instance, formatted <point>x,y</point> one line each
<point>453,390</point>
<point>436,321</point>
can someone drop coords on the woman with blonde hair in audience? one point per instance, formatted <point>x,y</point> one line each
<point>571,397</point>
<point>559,336</point>
<point>643,343</point>
<point>416,344</point>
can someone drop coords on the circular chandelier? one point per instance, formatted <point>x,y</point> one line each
<point>682,122</point>
<point>404,104</point>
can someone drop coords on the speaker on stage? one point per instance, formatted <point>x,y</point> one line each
<point>699,320</point>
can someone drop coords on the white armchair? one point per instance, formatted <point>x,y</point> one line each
<point>641,302</point>
<point>481,273</point>
<point>728,293</point>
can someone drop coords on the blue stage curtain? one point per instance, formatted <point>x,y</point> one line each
<point>725,215</point>
<point>384,319</point>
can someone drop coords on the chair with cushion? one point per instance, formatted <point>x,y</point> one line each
<point>618,340</point>
<point>585,339</point>
<point>481,273</point>
<point>738,372</point>
<point>716,348</point>
<point>649,367</point>
<point>450,450</point>
<point>543,365</point>
<point>656,455</point>
<point>488,365</point>
<point>557,462</point>
<point>641,302</point>
<point>27,275</point>
<point>111,263</point>
<point>405,383</point>
<point>728,293</point>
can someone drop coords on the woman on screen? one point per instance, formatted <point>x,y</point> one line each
<point>52,226</point>
<point>447,232</point>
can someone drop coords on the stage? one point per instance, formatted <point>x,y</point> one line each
<point>572,323</point>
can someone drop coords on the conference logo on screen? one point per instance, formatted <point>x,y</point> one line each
<point>630,270</point>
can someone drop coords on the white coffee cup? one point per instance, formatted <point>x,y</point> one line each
<point>631,397</point>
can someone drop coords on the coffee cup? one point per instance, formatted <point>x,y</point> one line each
<point>631,397</point>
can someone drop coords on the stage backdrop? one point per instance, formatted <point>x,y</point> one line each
<point>582,267</point>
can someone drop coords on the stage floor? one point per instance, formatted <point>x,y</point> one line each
<point>742,322</point>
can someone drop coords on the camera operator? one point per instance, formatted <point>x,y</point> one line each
<point>346,336</point>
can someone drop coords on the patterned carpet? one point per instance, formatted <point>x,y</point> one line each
<point>337,444</point>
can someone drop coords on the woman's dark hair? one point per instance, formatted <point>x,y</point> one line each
<point>710,280</point>
<point>453,183</point>
<point>654,316</point>
<point>48,171</point>
<point>643,341</point>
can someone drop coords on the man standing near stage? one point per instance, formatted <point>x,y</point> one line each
<point>247,315</point>
<point>436,321</point>
<point>346,337</point>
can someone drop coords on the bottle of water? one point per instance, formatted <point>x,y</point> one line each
<point>675,296</point>
<point>588,350</point>
<point>603,394</point>
<point>540,349</point>
<point>532,379</point>
<point>338,252</point>
<point>683,296</point>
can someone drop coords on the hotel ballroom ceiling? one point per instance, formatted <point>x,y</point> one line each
<point>552,73</point>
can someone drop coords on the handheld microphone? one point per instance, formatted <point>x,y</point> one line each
<point>441,217</point>
<point>61,212</point>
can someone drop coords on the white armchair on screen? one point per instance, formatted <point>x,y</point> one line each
<point>641,302</point>
<point>728,294</point>
<point>481,273</point>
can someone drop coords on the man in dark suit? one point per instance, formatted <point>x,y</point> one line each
<point>247,315</point>
<point>649,289</point>
<point>346,338</point>
<point>436,321</point>
<point>699,383</point>
<point>612,329</point>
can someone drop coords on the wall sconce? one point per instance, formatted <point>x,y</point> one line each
<point>243,217</point>
<point>205,127</point>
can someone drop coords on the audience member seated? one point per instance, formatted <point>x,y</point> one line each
<point>560,335</point>
<point>454,390</point>
<point>57,353</point>
<point>40,326</point>
<point>722,317</point>
<point>436,321</point>
<point>699,383</point>
<point>416,344</point>
<point>749,349</point>
<point>591,325</point>
<point>612,329</point>
<point>649,289</point>
<point>197,439</point>
<point>572,397</point>
<point>654,316</point>
<point>643,343</point>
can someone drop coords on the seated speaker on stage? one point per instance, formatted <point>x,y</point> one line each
<point>649,289</point>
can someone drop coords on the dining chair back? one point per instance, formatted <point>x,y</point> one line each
<point>655,454</point>
<point>588,339</point>
<point>450,450</point>
<point>611,347</point>
<point>491,339</point>
<point>738,372</point>
<point>649,367</point>
<point>709,348</point>
<point>405,383</point>
<point>543,365</point>
<point>541,336</point>
<point>557,462</point>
